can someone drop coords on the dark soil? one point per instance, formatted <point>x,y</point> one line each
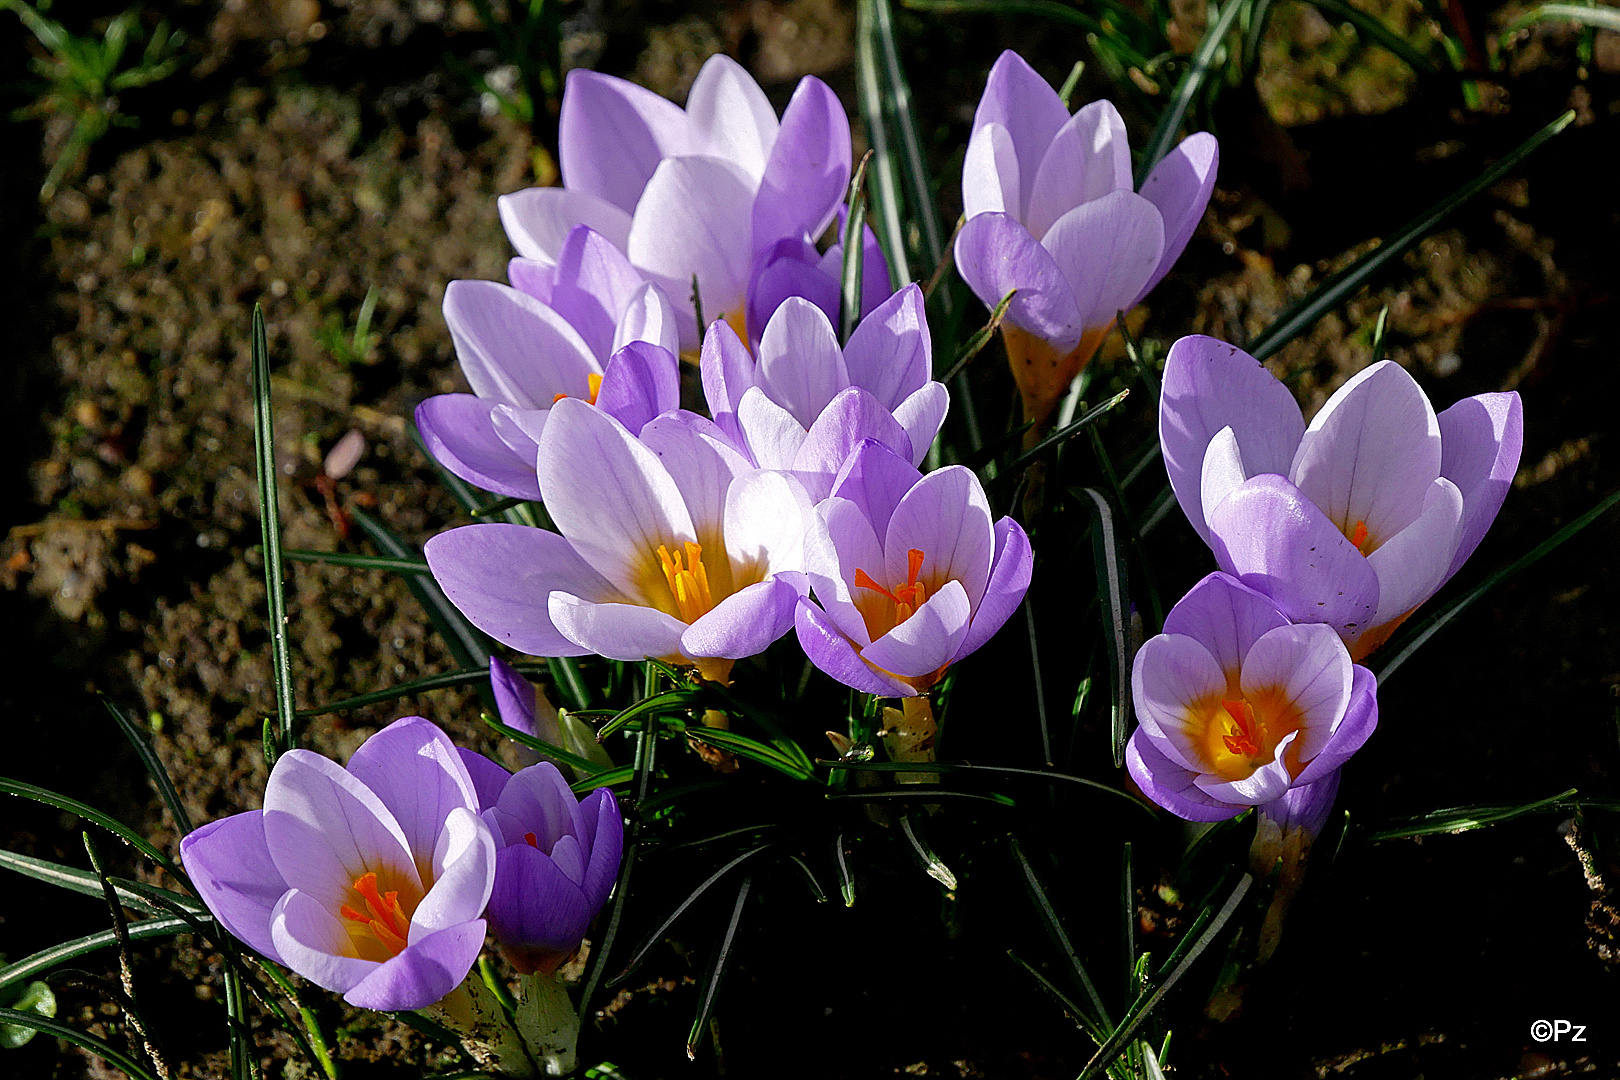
<point>310,152</point>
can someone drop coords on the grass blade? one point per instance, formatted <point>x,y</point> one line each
<point>445,680</point>
<point>586,766</point>
<point>1602,18</point>
<point>32,966</point>
<point>646,754</point>
<point>932,864</point>
<point>846,876</point>
<point>657,935</point>
<point>467,643</point>
<point>1068,1003</point>
<point>1060,938</point>
<point>1187,88</point>
<point>896,98</point>
<point>849,293</point>
<point>132,894</point>
<point>1465,818</point>
<point>709,988</point>
<point>95,817</point>
<point>670,701</point>
<point>980,339</point>
<point>358,562</point>
<point>994,770</point>
<point>753,749</point>
<point>154,765</point>
<point>1411,641</point>
<point>1325,297</point>
<point>103,1050</point>
<point>886,198</point>
<point>1373,29</point>
<point>1065,432</point>
<point>1108,549</point>
<point>264,447</point>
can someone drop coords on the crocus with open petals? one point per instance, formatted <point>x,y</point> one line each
<point>671,546</point>
<point>1238,707</point>
<point>1051,212</point>
<point>370,880</point>
<point>586,327</point>
<point>700,191</point>
<point>1353,520</point>
<point>909,571</point>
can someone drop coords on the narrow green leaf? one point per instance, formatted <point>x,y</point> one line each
<point>980,338</point>
<point>1069,1005</point>
<point>994,770</point>
<point>1108,551</point>
<point>887,201</point>
<point>32,966</point>
<point>745,747</point>
<point>849,293</point>
<point>358,562</point>
<point>154,765</point>
<point>132,894</point>
<point>645,766</point>
<point>107,1052</point>
<point>1045,9</point>
<point>264,446</point>
<point>915,793</point>
<point>1067,431</point>
<point>657,935</point>
<point>670,701</point>
<point>1302,313</point>
<point>442,681</point>
<point>544,748</point>
<point>1379,326</point>
<point>565,674</point>
<point>619,774</point>
<point>932,864</point>
<point>95,817</point>
<point>1373,29</point>
<point>1187,89</point>
<point>1098,1016</point>
<point>244,1061</point>
<point>709,987</point>
<point>1465,818</point>
<point>809,876</point>
<point>896,100</point>
<point>467,643</point>
<point>1601,18</point>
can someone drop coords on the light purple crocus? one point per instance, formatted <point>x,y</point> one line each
<point>369,880</point>
<point>1353,520</point>
<point>793,266</point>
<point>909,571</point>
<point>557,860</point>
<point>1051,212</point>
<point>1238,707</point>
<point>670,546</point>
<point>805,404</point>
<point>696,191</point>
<point>585,327</point>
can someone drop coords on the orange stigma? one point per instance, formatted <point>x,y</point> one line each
<point>593,383</point>
<point>688,583</point>
<point>383,918</point>
<point>908,597</point>
<point>1244,734</point>
<point>530,839</point>
<point>1359,538</point>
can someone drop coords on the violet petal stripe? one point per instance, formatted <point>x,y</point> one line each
<point>749,620</point>
<point>1027,106</point>
<point>770,434</point>
<point>617,631</point>
<point>612,134</point>
<point>1169,785</point>
<point>1209,385</point>
<point>1009,580</point>
<point>1311,667</point>
<point>231,868</point>
<point>809,166</point>
<point>1415,562</point>
<point>422,974</point>
<point>1481,440</point>
<point>731,116</point>
<point>1226,617</point>
<point>532,276</point>
<point>927,640</point>
<point>538,220</point>
<point>605,828</point>
<point>648,316</point>
<point>1107,249</point>
<point>1180,186</point>
<point>500,576</point>
<point>489,778</point>
<point>513,348</point>
<point>922,415</point>
<point>702,469</point>
<point>946,515</point>
<point>835,654</point>
<point>459,434</point>
<point>996,255</point>
<point>728,372</point>
<point>1088,158</point>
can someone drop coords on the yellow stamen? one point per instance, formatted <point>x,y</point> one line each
<point>383,919</point>
<point>688,582</point>
<point>907,598</point>
<point>593,385</point>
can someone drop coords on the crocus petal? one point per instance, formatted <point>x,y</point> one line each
<point>538,220</point>
<point>853,417</point>
<point>324,829</point>
<point>1180,186</point>
<point>1480,441</point>
<point>991,181</point>
<point>838,542</point>
<point>808,170</point>
<point>996,255</point>
<point>728,373</point>
<point>780,277</point>
<point>1273,539</point>
<point>1169,675</point>
<point>534,904</point>
<point>766,515</point>
<point>702,468</point>
<point>1107,249</point>
<point>610,495</point>
<point>617,631</point>
<point>1027,106</point>
<point>460,435</point>
<point>538,802</point>
<point>921,416</point>
<point>231,869</point>
<point>1170,785</point>
<point>1360,718</point>
<point>770,433</point>
<point>416,771</point>
<point>1311,666</point>
<point>1010,572</point>
<point>1088,158</point>
<point>1372,452</point>
<point>648,316</point>
<point>612,134</point>
<point>1415,562</point>
<point>947,516</point>
<point>488,777</point>
<point>889,355</point>
<point>731,115</point>
<point>875,479</point>
<point>928,640</point>
<point>749,620</point>
<point>1304,807</point>
<point>1226,617</point>
<point>531,276</point>
<point>800,364</point>
<point>1223,468</point>
<point>835,654</point>
<point>640,382</point>
<point>310,938</point>
<point>1268,782</point>
<point>424,972</point>
<point>500,576</point>
<point>464,869</point>
<point>1210,385</point>
<point>511,347</point>
<point>604,828</point>
<point>692,220</point>
<point>593,282</point>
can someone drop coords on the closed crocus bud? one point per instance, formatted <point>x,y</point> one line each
<point>1051,213</point>
<point>369,880</point>
<point>1353,520</point>
<point>524,706</point>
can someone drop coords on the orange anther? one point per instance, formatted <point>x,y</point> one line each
<point>1245,737</point>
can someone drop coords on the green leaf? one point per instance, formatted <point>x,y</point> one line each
<point>1108,550</point>
<point>442,681</point>
<point>542,747</point>
<point>670,701</point>
<point>36,999</point>
<point>1067,431</point>
<point>108,1053</point>
<point>1097,1018</point>
<point>46,959</point>
<point>932,864</point>
<point>1299,315</point>
<point>1465,818</point>
<point>1601,18</point>
<point>95,817</point>
<point>752,749</point>
<point>1046,775</point>
<point>619,774</point>
<point>918,793</point>
<point>154,765</point>
<point>849,293</point>
<point>147,899</point>
<point>980,338</point>
<point>658,933</point>
<point>1410,641</point>
<point>846,876</point>
<point>709,986</point>
<point>645,766</point>
<point>1187,89</point>
<point>358,562</point>
<point>264,447</point>
<point>1374,30</point>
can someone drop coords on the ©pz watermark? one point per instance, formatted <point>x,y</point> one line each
<point>1557,1031</point>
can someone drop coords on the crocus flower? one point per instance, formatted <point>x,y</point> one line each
<point>696,191</point>
<point>909,572</point>
<point>1051,213</point>
<point>805,404</point>
<point>557,860</point>
<point>1239,707</point>
<point>794,267</point>
<point>370,881</point>
<point>670,546</point>
<point>524,706</point>
<point>1352,521</point>
<point>586,327</point>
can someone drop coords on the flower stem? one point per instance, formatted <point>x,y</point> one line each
<point>474,1013</point>
<point>548,1022</point>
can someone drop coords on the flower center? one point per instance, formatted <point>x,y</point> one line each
<point>1359,537</point>
<point>688,581</point>
<point>907,598</point>
<point>380,924</point>
<point>593,383</point>
<point>1240,732</point>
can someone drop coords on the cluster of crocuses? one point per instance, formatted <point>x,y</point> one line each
<point>1327,536</point>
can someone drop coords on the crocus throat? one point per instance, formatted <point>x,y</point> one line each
<point>907,598</point>
<point>593,383</point>
<point>1237,733</point>
<point>1360,539</point>
<point>688,581</point>
<point>383,923</point>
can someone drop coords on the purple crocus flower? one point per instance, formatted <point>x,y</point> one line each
<point>1353,520</point>
<point>369,881</point>
<point>909,572</point>
<point>696,191</point>
<point>805,404</point>
<point>586,327</point>
<point>1051,213</point>
<point>1239,707</point>
<point>794,267</point>
<point>524,706</point>
<point>670,546</point>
